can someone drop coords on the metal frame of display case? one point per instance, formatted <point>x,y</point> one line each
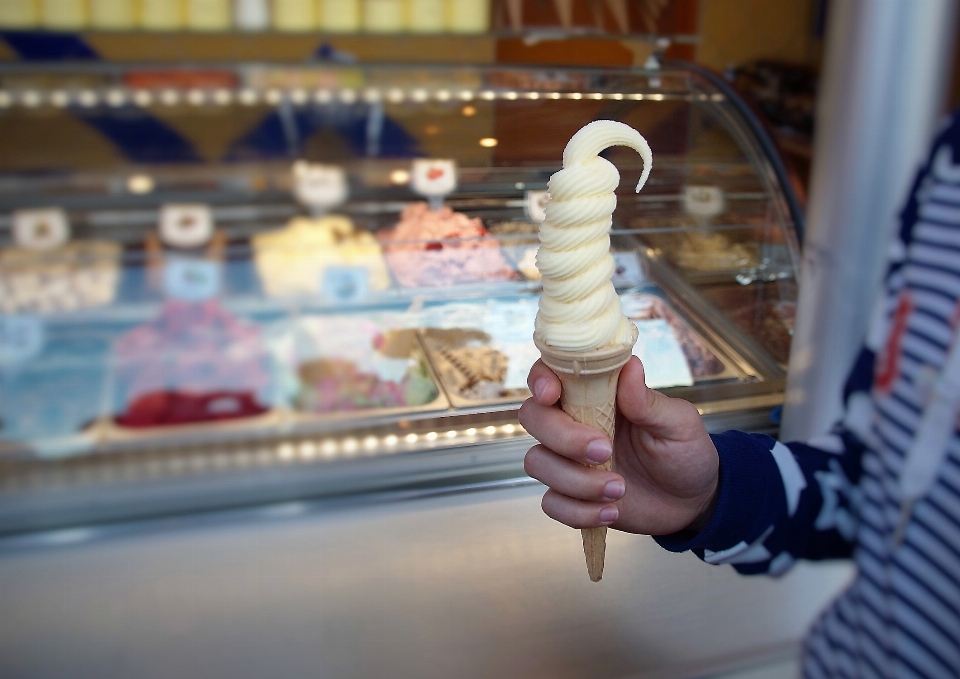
<point>140,475</point>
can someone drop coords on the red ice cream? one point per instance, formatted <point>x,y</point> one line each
<point>193,363</point>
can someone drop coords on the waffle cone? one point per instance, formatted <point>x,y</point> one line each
<point>589,396</point>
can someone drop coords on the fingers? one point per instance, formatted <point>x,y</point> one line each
<point>554,428</point>
<point>561,434</point>
<point>543,384</point>
<point>580,497</point>
<point>572,479</point>
<point>659,415</point>
<point>577,513</point>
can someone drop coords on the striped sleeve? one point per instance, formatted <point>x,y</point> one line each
<point>781,502</point>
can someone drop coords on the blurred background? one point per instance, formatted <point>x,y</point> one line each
<point>267,291</point>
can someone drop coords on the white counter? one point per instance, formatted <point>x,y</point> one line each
<point>476,584</point>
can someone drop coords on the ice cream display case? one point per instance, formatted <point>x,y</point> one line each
<point>225,285</point>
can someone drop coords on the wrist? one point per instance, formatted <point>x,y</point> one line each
<point>707,507</point>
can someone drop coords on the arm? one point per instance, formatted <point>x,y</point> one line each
<point>777,503</point>
<point>812,498</point>
<point>733,498</point>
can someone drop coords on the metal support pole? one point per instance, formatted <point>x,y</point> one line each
<point>884,78</point>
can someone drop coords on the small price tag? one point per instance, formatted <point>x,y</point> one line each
<point>190,279</point>
<point>186,226</point>
<point>21,339</point>
<point>319,186</point>
<point>703,201</point>
<point>345,284</point>
<point>42,229</point>
<point>627,270</point>
<point>536,205</point>
<point>433,178</point>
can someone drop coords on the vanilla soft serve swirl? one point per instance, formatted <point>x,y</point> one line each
<point>579,309</point>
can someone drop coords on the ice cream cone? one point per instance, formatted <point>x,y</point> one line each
<point>589,396</point>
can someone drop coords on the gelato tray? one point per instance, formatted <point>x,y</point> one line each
<point>711,252</point>
<point>79,275</point>
<point>439,248</point>
<point>193,363</point>
<point>470,369</point>
<point>702,249</point>
<point>764,311</point>
<point>316,256</point>
<point>706,252</point>
<point>772,323</point>
<point>481,352</point>
<point>344,364</point>
<point>653,315</point>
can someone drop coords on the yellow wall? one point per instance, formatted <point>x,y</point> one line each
<point>738,31</point>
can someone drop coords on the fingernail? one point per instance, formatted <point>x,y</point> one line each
<point>599,451</point>
<point>609,514</point>
<point>539,387</point>
<point>614,490</point>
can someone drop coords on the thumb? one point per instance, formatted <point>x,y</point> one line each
<point>659,415</point>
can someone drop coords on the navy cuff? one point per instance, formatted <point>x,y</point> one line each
<point>750,495</point>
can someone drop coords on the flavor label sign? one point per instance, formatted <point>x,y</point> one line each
<point>345,284</point>
<point>186,226</point>
<point>42,229</point>
<point>320,186</point>
<point>433,177</point>
<point>190,279</point>
<point>703,201</point>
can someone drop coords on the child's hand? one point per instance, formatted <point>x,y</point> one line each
<point>666,466</point>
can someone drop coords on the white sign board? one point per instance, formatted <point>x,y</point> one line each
<point>41,229</point>
<point>433,178</point>
<point>186,226</point>
<point>319,186</point>
<point>703,201</point>
<point>536,205</point>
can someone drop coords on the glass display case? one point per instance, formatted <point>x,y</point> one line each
<point>222,285</point>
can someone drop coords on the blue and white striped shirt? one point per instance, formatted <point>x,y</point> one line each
<point>841,495</point>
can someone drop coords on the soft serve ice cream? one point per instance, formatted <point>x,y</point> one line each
<point>579,308</point>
